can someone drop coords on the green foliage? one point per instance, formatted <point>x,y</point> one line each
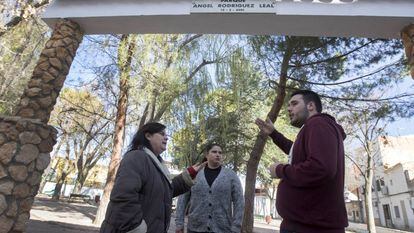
<point>221,110</point>
<point>19,51</point>
<point>162,71</point>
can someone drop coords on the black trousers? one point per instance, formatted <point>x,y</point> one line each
<point>286,231</point>
<point>189,231</point>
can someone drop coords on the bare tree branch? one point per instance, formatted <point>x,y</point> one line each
<point>334,57</point>
<point>347,81</point>
<point>27,11</point>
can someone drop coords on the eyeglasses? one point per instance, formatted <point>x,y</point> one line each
<point>164,134</point>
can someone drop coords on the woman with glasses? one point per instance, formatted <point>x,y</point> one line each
<point>216,202</point>
<point>141,198</point>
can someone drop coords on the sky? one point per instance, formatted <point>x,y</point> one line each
<point>401,127</point>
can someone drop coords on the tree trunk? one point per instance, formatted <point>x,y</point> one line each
<point>80,181</point>
<point>249,194</point>
<point>124,57</point>
<point>368,196</point>
<point>144,116</point>
<point>260,142</point>
<point>65,172</point>
<point>80,168</point>
<point>87,160</point>
<point>361,209</point>
<point>58,186</point>
<point>48,169</point>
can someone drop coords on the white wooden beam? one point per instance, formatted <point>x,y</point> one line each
<point>337,18</point>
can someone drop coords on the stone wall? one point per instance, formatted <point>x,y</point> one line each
<point>25,139</point>
<point>25,145</point>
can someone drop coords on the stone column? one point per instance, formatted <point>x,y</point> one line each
<point>25,139</point>
<point>407,36</point>
<point>50,72</point>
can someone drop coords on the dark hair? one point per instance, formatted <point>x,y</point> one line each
<point>210,146</point>
<point>139,140</point>
<point>310,96</point>
<point>206,149</point>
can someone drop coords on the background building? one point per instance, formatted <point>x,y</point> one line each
<point>393,185</point>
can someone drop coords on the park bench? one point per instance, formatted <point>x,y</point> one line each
<point>77,196</point>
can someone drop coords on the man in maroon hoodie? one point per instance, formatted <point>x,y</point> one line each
<point>310,196</point>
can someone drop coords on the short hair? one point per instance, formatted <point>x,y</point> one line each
<point>139,140</point>
<point>310,96</point>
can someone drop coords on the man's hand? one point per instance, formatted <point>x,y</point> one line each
<point>266,127</point>
<point>179,231</point>
<point>272,169</point>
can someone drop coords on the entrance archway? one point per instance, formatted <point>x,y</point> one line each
<point>25,138</point>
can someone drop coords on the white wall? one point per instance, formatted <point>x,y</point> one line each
<point>398,191</point>
<point>395,201</point>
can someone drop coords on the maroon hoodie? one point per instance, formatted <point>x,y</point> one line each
<point>310,196</point>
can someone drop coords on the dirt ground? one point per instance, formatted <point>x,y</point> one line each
<point>49,216</point>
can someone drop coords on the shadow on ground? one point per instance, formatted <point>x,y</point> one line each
<point>50,216</point>
<point>47,204</point>
<point>36,226</point>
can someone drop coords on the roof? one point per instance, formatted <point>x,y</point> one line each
<point>336,18</point>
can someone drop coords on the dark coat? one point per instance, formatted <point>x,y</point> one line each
<point>142,191</point>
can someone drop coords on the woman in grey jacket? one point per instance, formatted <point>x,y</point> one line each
<point>141,198</point>
<point>216,200</point>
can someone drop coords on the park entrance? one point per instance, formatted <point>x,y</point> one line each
<point>25,138</point>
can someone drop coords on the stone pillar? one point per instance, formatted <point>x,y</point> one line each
<point>25,139</point>
<point>407,36</point>
<point>25,145</point>
<point>50,72</point>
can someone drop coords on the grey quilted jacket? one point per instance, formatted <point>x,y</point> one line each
<point>218,208</point>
